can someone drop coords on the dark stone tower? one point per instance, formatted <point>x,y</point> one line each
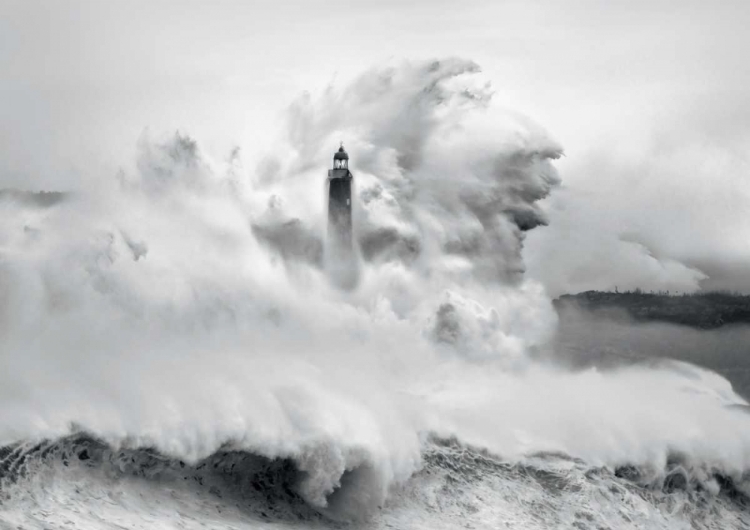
<point>340,203</point>
<point>340,259</point>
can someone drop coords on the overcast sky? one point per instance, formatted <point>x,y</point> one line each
<point>649,99</point>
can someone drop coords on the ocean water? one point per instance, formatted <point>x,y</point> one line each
<point>78,482</point>
<point>176,350</point>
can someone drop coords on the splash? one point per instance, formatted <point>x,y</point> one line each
<point>186,308</point>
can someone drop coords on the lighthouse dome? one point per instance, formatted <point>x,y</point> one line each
<point>341,154</point>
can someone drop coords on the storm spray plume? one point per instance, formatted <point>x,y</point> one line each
<point>182,324</point>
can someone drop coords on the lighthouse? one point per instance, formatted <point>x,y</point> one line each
<point>340,202</point>
<point>340,258</point>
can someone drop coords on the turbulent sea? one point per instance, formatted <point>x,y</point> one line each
<point>178,349</point>
<point>79,482</point>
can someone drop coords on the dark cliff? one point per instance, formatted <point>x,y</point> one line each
<point>701,310</point>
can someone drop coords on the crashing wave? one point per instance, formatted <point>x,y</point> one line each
<point>186,309</point>
<point>80,475</point>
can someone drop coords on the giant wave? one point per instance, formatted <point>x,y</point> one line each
<point>173,352</point>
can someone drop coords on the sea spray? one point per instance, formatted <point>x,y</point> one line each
<point>183,309</point>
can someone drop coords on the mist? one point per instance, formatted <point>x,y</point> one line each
<point>182,306</point>
<point>585,340</point>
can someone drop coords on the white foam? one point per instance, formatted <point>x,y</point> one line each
<point>211,336</point>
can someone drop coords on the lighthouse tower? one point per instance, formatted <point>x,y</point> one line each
<point>340,203</point>
<point>340,258</point>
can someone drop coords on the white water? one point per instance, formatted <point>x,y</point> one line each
<point>185,306</point>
